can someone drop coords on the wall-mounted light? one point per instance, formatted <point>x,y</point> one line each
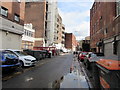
<point>7,33</point>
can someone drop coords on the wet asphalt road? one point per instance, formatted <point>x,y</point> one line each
<point>41,76</point>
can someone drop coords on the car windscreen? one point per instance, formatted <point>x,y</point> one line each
<point>3,56</point>
<point>84,53</point>
<point>20,53</point>
<point>93,55</point>
<point>6,54</point>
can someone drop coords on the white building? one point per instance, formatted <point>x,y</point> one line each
<point>51,20</point>
<point>28,37</point>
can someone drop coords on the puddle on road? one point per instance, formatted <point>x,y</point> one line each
<point>74,79</point>
<point>71,80</point>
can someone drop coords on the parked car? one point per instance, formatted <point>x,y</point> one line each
<point>8,60</point>
<point>64,50</point>
<point>25,60</point>
<point>39,54</point>
<point>91,58</point>
<point>82,55</point>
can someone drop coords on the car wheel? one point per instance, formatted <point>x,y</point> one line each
<point>87,65</point>
<point>81,60</point>
<point>21,64</point>
<point>50,55</point>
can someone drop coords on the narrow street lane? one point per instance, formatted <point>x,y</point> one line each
<point>41,76</point>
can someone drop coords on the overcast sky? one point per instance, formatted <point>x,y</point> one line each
<point>76,16</point>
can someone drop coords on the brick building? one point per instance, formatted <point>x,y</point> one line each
<point>12,25</point>
<point>70,41</point>
<point>43,17</point>
<point>104,28</point>
<point>35,13</point>
<point>84,45</point>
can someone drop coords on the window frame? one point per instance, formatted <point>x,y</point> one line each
<point>16,16</point>
<point>5,9</point>
<point>117,7</point>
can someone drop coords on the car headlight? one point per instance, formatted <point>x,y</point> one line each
<point>27,59</point>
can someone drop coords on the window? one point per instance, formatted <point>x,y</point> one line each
<point>31,34</point>
<point>24,32</point>
<point>16,17</point>
<point>100,23</point>
<point>115,45</point>
<point>57,26</point>
<point>47,6</point>
<point>4,11</point>
<point>18,0</point>
<point>57,20</point>
<point>27,33</point>
<point>45,25</point>
<point>45,33</point>
<point>118,7</point>
<point>105,31</point>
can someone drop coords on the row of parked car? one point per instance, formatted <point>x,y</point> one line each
<point>89,57</point>
<point>103,72</point>
<point>16,58</point>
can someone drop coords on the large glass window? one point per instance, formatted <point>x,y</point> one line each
<point>4,11</point>
<point>118,7</point>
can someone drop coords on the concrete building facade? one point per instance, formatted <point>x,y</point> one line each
<point>12,24</point>
<point>51,13</point>
<point>104,28</point>
<point>59,36</point>
<point>63,35</point>
<point>70,41</point>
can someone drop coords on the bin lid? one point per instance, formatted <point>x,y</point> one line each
<point>109,64</point>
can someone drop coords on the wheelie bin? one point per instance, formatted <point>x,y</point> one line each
<point>109,73</point>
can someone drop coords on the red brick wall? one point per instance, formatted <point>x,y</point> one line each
<point>15,8</point>
<point>101,17</point>
<point>70,41</point>
<point>35,14</point>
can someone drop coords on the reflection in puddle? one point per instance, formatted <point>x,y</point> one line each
<point>28,79</point>
<point>56,83</point>
<point>74,79</point>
